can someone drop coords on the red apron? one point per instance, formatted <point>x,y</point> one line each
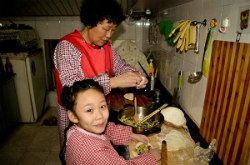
<point>94,61</point>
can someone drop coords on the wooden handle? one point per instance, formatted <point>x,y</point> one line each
<point>136,115</point>
<point>164,155</point>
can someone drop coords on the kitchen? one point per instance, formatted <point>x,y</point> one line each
<point>52,26</point>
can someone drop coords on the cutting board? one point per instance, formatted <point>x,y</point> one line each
<point>226,111</point>
<point>118,101</point>
<point>182,156</point>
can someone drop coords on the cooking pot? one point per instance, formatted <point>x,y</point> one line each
<point>142,112</point>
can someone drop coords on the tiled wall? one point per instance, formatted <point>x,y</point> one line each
<point>171,61</point>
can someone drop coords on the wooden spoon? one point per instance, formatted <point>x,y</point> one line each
<point>136,115</point>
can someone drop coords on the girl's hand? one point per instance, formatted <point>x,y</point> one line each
<point>139,138</point>
<point>156,153</point>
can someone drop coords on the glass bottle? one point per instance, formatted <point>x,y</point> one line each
<point>8,66</point>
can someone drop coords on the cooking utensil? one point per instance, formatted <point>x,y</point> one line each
<point>198,25</point>
<point>152,114</point>
<point>144,70</point>
<point>213,24</point>
<point>129,111</point>
<point>196,76</point>
<point>164,153</point>
<point>136,115</point>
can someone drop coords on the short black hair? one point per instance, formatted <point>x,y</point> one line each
<point>95,11</point>
<point>69,94</point>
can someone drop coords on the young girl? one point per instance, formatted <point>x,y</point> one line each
<point>88,138</point>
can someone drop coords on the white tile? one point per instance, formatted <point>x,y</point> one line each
<point>76,18</point>
<point>186,90</point>
<point>66,18</point>
<point>243,6</point>
<point>229,11</point>
<point>56,18</point>
<point>54,30</point>
<point>119,32</point>
<point>198,95</point>
<point>195,5</point>
<point>209,15</point>
<point>29,18</point>
<point>66,27</point>
<point>41,18</point>
<point>175,66</point>
<point>173,11</point>
<point>210,4</point>
<point>42,29</point>
<point>228,2</point>
<point>77,25</point>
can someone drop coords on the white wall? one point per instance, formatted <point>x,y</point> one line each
<point>171,61</point>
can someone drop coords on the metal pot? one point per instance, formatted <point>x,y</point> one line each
<point>142,112</point>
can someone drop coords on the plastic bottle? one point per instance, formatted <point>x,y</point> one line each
<point>151,68</point>
<point>8,66</point>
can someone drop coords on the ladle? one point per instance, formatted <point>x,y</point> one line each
<point>196,76</point>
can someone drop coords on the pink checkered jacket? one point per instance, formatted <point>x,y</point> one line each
<point>87,148</point>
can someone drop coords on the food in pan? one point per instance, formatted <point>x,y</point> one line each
<point>130,121</point>
<point>140,148</point>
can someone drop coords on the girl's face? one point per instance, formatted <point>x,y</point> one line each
<point>91,111</point>
<point>101,33</point>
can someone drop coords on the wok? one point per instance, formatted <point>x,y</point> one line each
<point>129,111</point>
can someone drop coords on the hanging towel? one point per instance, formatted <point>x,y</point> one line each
<point>166,27</point>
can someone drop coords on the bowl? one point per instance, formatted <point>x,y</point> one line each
<point>174,117</point>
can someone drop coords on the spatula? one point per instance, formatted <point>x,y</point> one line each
<point>136,115</point>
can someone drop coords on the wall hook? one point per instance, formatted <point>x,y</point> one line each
<point>238,36</point>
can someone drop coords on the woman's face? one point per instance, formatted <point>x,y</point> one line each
<point>101,33</point>
<point>91,111</point>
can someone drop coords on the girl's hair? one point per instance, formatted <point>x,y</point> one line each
<point>95,11</point>
<point>68,100</point>
<point>69,94</point>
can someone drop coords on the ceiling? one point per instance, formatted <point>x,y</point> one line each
<point>16,8</point>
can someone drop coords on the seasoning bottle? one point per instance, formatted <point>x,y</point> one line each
<point>8,66</point>
<point>1,67</point>
<point>151,68</point>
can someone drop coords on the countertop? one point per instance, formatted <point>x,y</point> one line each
<point>165,97</point>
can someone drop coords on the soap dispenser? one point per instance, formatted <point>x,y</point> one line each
<point>151,68</point>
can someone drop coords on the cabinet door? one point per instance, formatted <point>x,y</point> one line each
<point>10,108</point>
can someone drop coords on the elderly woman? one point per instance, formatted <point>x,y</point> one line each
<point>88,54</point>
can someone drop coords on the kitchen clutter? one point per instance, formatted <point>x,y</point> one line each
<point>183,34</point>
<point>18,37</point>
<point>202,155</point>
<point>196,76</point>
<point>132,55</point>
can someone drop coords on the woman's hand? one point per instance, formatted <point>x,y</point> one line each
<point>139,138</point>
<point>129,79</point>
